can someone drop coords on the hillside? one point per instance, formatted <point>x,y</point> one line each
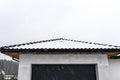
<point>9,67</point>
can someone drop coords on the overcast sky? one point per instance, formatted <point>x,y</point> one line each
<point>33,20</point>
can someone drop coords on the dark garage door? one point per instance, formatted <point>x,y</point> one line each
<point>63,72</point>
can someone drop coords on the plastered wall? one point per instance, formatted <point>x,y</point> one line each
<point>114,69</point>
<point>26,60</point>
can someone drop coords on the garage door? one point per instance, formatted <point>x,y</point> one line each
<point>63,72</point>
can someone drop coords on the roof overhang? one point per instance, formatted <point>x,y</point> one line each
<point>14,53</point>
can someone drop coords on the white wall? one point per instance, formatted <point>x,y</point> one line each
<point>114,69</point>
<point>27,59</point>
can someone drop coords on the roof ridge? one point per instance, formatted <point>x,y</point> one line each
<point>42,41</point>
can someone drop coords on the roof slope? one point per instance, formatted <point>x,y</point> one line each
<point>60,45</point>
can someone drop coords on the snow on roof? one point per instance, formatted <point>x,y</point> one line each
<point>60,43</point>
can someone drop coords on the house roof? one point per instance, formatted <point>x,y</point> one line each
<point>60,45</point>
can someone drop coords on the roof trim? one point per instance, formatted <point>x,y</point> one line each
<point>62,50</point>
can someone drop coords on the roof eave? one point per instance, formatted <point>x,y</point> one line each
<point>61,50</point>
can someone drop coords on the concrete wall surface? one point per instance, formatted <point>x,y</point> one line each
<point>26,60</point>
<point>114,69</point>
